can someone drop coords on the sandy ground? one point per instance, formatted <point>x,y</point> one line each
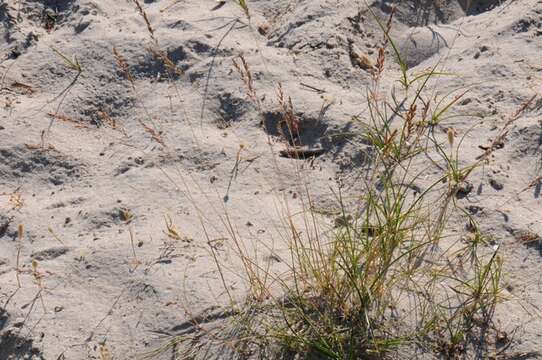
<point>97,193</point>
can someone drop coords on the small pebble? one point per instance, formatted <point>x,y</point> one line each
<point>495,184</point>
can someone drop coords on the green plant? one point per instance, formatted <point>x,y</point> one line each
<point>72,63</point>
<point>243,4</point>
<point>390,276</point>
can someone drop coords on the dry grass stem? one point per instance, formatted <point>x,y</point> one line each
<point>288,116</point>
<point>20,235</point>
<point>145,19</point>
<point>243,69</point>
<point>123,66</point>
<point>77,123</point>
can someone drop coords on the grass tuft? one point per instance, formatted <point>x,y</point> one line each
<point>391,276</point>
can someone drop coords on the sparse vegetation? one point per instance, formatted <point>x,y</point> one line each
<point>394,276</point>
<point>403,257</point>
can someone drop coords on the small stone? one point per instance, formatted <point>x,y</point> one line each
<point>465,101</point>
<point>495,184</point>
<point>473,209</point>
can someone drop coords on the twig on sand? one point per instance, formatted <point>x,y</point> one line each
<point>93,331</point>
<point>320,91</point>
<point>234,172</point>
<point>301,152</point>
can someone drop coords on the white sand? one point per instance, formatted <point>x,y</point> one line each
<point>95,291</point>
